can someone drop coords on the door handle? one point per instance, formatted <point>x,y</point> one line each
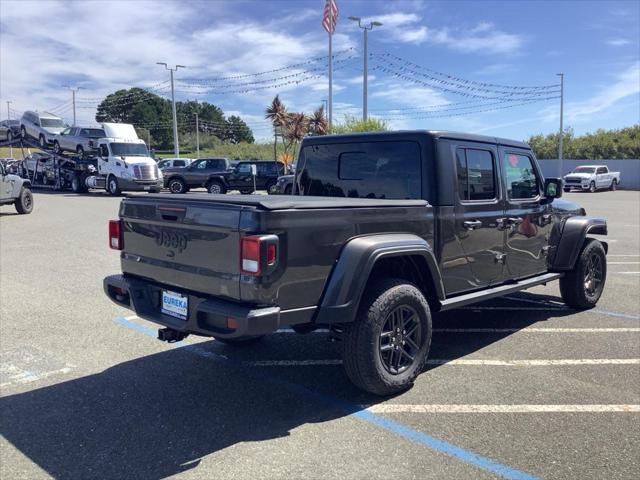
<point>472,224</point>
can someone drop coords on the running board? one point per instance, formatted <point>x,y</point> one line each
<point>498,291</point>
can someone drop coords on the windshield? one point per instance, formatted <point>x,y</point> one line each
<point>129,150</point>
<point>584,170</point>
<point>92,132</point>
<point>52,122</point>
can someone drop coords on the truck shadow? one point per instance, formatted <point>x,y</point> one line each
<point>158,415</point>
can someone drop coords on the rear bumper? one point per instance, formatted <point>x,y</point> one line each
<point>207,316</point>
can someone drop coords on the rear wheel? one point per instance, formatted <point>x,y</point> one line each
<point>582,286</point>
<point>9,135</point>
<point>41,141</point>
<point>56,147</point>
<point>246,191</point>
<point>614,185</point>
<point>177,185</point>
<point>23,132</point>
<point>216,187</point>
<point>592,187</point>
<point>24,203</point>
<point>269,186</point>
<point>386,347</point>
<point>77,184</point>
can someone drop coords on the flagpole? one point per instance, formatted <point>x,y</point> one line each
<point>330,65</point>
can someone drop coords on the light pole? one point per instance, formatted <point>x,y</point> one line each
<point>197,138</point>
<point>73,99</point>
<point>561,75</point>
<point>9,102</point>
<point>176,147</point>
<point>366,58</point>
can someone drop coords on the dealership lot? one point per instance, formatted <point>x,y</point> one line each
<point>519,387</point>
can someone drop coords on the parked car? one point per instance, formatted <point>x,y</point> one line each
<point>80,140</point>
<point>9,129</point>
<point>284,185</point>
<point>413,223</point>
<point>195,175</point>
<point>15,190</point>
<point>174,163</point>
<point>592,178</point>
<point>241,177</point>
<point>38,167</point>
<point>41,126</point>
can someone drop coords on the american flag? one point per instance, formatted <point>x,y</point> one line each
<point>330,16</point>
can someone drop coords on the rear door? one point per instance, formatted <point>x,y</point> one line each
<point>603,177</point>
<point>527,214</point>
<point>479,212</point>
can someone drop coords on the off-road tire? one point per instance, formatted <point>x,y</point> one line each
<point>217,187</point>
<point>177,186</point>
<point>24,203</point>
<point>241,341</point>
<point>361,344</point>
<point>573,286</point>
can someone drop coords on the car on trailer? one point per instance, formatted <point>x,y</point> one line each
<point>41,126</point>
<point>9,129</point>
<point>80,140</point>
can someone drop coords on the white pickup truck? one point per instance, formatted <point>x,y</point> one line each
<point>592,178</point>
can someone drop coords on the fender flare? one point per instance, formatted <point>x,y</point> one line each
<point>347,281</point>
<point>218,178</point>
<point>569,245</point>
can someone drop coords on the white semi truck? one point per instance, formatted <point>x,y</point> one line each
<point>123,162</point>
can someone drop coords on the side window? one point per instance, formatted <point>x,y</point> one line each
<point>104,151</point>
<point>244,168</point>
<point>201,165</point>
<point>602,170</point>
<point>476,174</point>
<point>178,163</point>
<point>520,177</point>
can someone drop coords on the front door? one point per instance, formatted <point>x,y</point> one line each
<point>6,185</point>
<point>527,214</point>
<point>479,211</point>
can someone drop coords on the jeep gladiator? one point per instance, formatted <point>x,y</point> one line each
<point>386,229</point>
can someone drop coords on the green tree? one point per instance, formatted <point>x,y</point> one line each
<point>238,131</point>
<point>353,125</point>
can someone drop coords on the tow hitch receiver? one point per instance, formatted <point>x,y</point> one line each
<point>170,335</point>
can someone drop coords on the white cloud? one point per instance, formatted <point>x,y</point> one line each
<point>618,42</point>
<point>408,96</point>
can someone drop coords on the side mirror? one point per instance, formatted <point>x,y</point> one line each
<point>553,188</point>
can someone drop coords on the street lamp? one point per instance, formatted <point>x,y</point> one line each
<point>176,147</point>
<point>366,28</point>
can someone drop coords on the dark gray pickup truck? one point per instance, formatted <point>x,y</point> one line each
<point>386,230</point>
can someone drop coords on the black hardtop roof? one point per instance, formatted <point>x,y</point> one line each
<point>280,202</point>
<point>407,134</point>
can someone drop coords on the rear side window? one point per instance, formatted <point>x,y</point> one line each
<point>476,174</point>
<point>390,170</point>
<point>521,179</point>
<point>178,163</point>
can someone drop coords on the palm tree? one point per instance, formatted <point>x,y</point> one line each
<point>318,124</point>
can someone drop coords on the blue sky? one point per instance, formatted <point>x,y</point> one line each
<point>102,46</point>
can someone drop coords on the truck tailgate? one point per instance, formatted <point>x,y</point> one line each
<point>189,245</point>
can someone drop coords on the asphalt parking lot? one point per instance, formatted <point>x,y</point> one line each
<point>520,387</point>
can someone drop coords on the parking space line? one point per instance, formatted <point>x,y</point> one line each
<point>355,411</point>
<point>443,408</point>
<point>559,306</point>
<point>536,330</point>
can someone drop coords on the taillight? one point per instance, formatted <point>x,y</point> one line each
<point>258,254</point>
<point>116,240</point>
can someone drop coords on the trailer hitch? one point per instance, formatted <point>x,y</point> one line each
<point>170,335</point>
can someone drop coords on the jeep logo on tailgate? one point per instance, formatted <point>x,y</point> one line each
<point>173,240</point>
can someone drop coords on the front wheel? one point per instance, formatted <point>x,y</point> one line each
<point>176,185</point>
<point>112,186</point>
<point>24,203</point>
<point>246,191</point>
<point>582,286</point>
<point>386,347</point>
<point>592,187</point>
<point>56,147</point>
<point>80,151</point>
<point>614,185</point>
<point>42,142</point>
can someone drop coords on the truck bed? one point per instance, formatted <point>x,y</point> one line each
<point>285,202</point>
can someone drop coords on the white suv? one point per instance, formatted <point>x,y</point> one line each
<point>42,126</point>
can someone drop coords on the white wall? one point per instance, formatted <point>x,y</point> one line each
<point>629,169</point>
